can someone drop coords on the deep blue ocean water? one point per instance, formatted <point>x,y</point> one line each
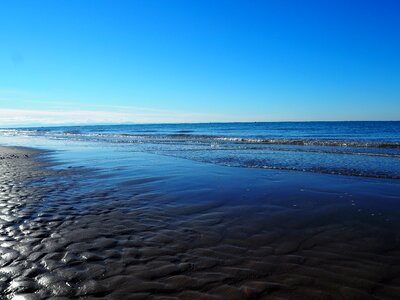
<point>370,149</point>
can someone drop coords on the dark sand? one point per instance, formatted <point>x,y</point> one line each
<point>115,246</point>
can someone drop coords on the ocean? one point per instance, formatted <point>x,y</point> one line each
<point>368,149</point>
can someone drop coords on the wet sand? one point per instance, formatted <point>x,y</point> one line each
<point>63,236</point>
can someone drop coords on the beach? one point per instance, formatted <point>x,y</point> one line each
<point>198,232</point>
<point>199,150</point>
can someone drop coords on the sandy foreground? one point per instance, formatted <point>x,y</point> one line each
<point>61,238</point>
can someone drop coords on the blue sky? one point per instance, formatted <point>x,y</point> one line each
<point>198,61</point>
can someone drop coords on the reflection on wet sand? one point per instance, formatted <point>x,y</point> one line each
<point>61,237</point>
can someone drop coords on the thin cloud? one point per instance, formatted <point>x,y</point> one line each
<point>56,112</point>
<point>58,104</point>
<point>8,91</point>
<point>20,117</point>
<point>29,98</point>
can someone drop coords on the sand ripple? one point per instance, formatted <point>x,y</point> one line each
<point>53,246</point>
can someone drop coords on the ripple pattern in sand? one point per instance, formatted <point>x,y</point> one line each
<point>121,248</point>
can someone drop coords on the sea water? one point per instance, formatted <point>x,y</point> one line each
<point>369,149</point>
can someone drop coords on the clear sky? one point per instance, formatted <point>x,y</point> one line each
<point>198,61</point>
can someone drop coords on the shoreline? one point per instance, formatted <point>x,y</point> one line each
<point>75,232</point>
<point>368,150</point>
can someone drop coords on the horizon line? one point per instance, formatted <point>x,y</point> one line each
<point>182,123</point>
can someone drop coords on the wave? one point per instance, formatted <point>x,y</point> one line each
<point>322,151</point>
<point>241,140</point>
<point>185,135</point>
<point>314,142</point>
<point>333,171</point>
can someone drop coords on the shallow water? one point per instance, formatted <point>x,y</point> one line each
<point>366,149</point>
